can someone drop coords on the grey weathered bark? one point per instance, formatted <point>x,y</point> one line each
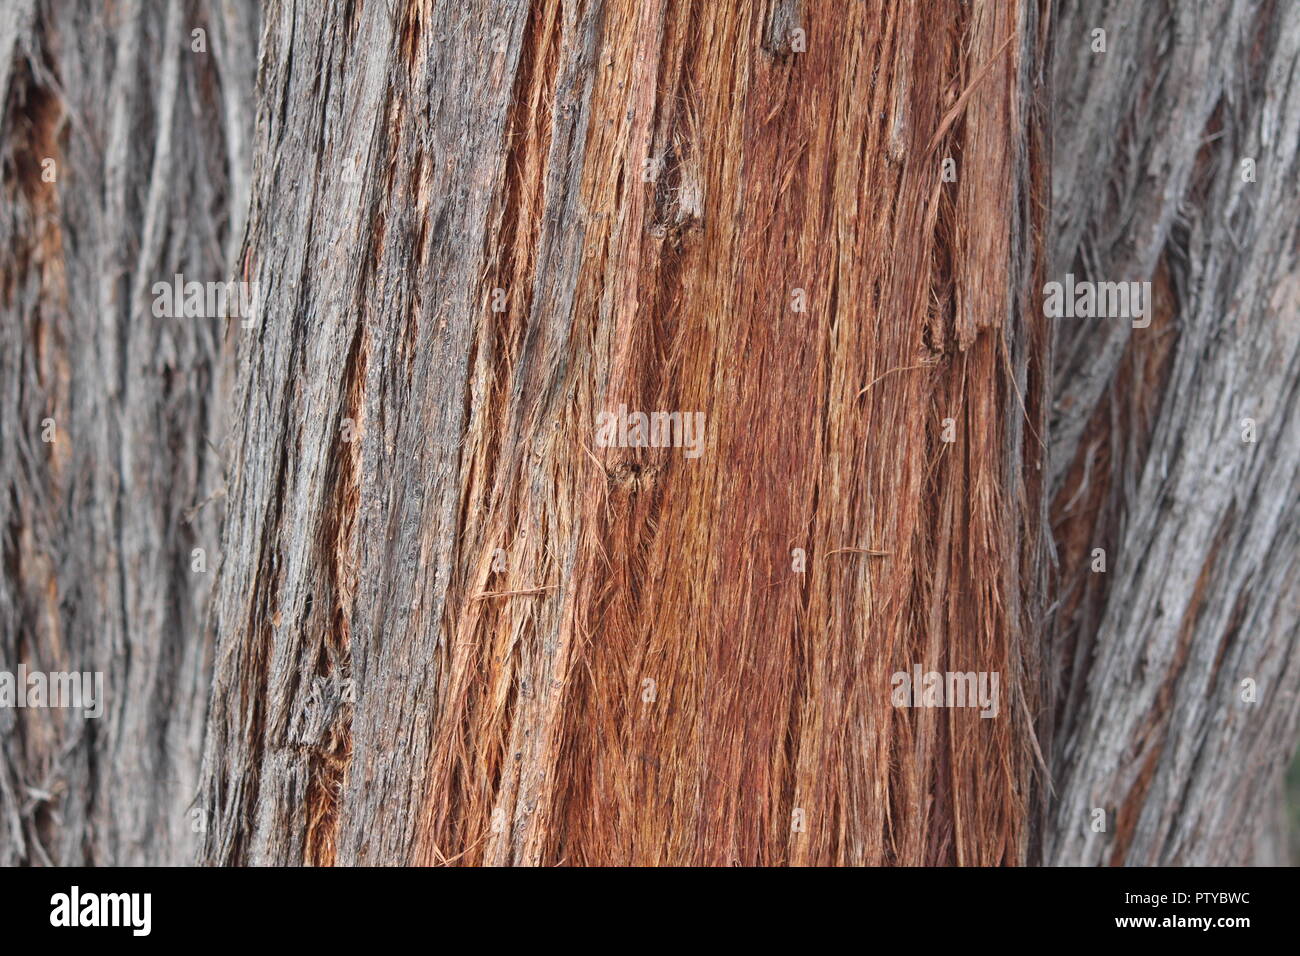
<point>1149,463</point>
<point>377,147</point>
<point>125,161</point>
<point>385,692</point>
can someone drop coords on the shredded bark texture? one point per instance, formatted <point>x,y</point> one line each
<point>681,211</point>
<point>123,161</point>
<point>447,616</point>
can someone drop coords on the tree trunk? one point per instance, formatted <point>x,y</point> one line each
<point>458,618</point>
<point>471,633</point>
<point>125,159</point>
<point>1153,455</point>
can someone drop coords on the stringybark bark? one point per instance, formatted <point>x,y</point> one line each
<point>453,626</point>
<point>125,161</point>
<point>1153,459</point>
<point>449,625</point>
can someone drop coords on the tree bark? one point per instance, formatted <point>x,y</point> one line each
<point>451,623</point>
<point>1149,462</point>
<point>685,208</point>
<point>108,413</point>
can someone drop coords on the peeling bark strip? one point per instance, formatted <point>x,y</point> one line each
<point>668,213</point>
<point>123,160</point>
<point>1176,448</point>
